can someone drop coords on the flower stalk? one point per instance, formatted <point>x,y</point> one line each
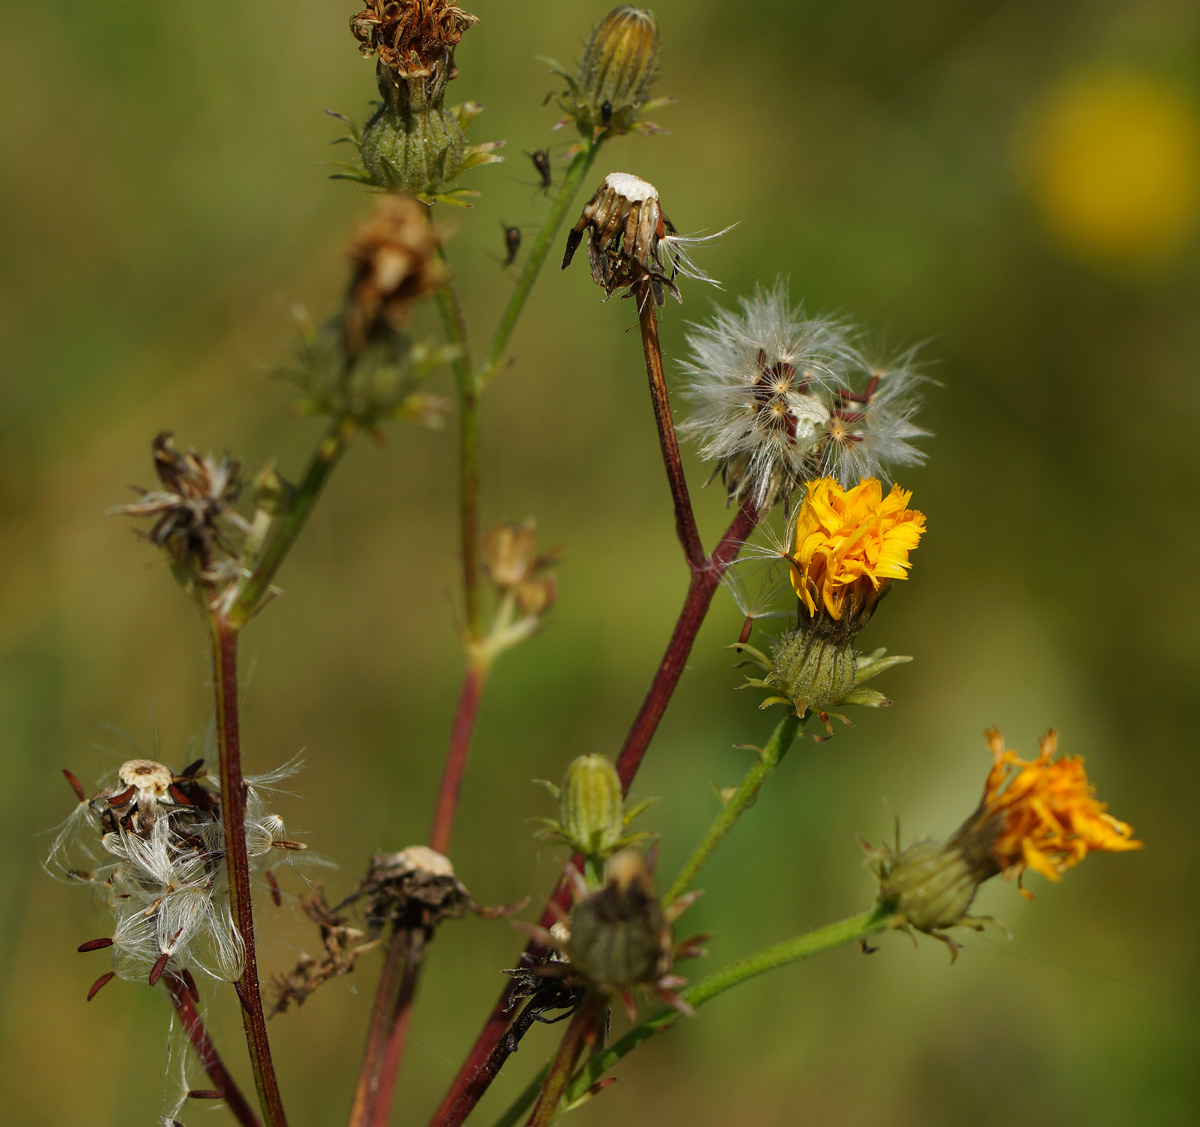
<point>823,939</point>
<point>487,1055</point>
<point>325,458</point>
<point>685,520</point>
<point>581,1031</point>
<point>198,1037</point>
<point>233,813</point>
<point>738,803</point>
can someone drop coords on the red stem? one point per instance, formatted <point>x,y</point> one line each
<point>456,757</point>
<point>581,1031</point>
<point>237,863</point>
<point>389,1067</point>
<point>197,1034</point>
<point>685,520</point>
<point>368,1073</point>
<point>487,1055</point>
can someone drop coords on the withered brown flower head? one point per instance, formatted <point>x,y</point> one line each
<point>631,242</point>
<point>410,36</point>
<point>197,494</point>
<point>394,262</point>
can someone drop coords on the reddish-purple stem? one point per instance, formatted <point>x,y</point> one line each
<point>389,1067</point>
<point>488,1053</point>
<point>685,520</point>
<point>193,1026</point>
<point>233,815</point>
<point>368,1073</point>
<point>456,757</point>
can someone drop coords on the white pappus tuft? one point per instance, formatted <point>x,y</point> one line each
<point>781,399</point>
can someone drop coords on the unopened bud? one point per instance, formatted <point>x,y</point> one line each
<point>593,809</point>
<point>619,65</point>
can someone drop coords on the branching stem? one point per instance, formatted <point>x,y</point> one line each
<point>326,456</point>
<point>486,1055</point>
<point>790,951</point>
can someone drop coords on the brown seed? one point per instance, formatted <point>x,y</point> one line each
<point>160,965</point>
<point>94,945</point>
<point>274,886</point>
<point>123,797</point>
<point>190,983</point>
<point>101,982</point>
<point>205,1094</point>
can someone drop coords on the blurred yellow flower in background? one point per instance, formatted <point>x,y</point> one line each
<point>1114,165</point>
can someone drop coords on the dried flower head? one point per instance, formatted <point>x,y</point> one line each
<point>1039,814</point>
<point>341,944</point>
<point>165,880</point>
<point>410,36</point>
<point>631,243</point>
<point>394,263</point>
<point>194,513</point>
<point>781,399</point>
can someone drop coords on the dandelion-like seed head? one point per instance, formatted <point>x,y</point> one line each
<point>164,880</point>
<point>1039,814</point>
<point>781,399</point>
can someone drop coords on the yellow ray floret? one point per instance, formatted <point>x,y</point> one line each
<point>847,538</point>
<point>1046,815</point>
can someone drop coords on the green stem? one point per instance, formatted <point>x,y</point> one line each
<point>538,252</point>
<point>738,803</point>
<point>790,951</point>
<point>466,378</point>
<point>325,457</point>
<point>574,1042</point>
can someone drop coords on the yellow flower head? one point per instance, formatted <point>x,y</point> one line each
<point>1043,813</point>
<point>851,543</point>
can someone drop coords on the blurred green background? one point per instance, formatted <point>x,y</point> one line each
<point>1015,183</point>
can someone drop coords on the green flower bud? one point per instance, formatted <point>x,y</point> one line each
<point>619,65</point>
<point>932,884</point>
<point>593,810</point>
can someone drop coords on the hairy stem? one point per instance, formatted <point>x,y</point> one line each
<point>326,456</point>
<point>237,863</point>
<point>790,951</point>
<point>456,755</point>
<point>536,257</point>
<point>487,1055</point>
<point>202,1043</point>
<point>685,520</point>
<point>738,803</point>
<point>575,1041</point>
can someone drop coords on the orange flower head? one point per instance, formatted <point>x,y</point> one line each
<point>851,544</point>
<point>1043,812</point>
